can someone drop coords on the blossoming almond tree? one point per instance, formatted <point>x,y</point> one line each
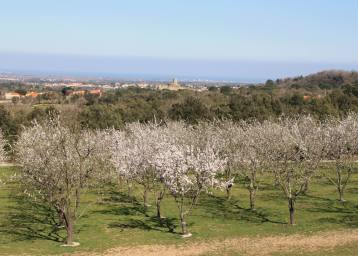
<point>251,154</point>
<point>295,150</point>
<point>188,170</point>
<point>342,148</point>
<point>229,137</point>
<point>120,157</point>
<point>132,153</point>
<point>57,164</point>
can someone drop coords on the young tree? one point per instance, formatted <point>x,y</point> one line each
<point>132,154</point>
<point>120,157</point>
<point>295,148</point>
<point>229,135</point>
<point>188,169</point>
<point>252,152</point>
<point>57,164</point>
<point>342,149</point>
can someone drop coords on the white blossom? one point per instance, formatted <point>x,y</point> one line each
<point>57,163</point>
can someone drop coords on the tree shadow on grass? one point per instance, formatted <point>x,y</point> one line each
<point>343,213</point>
<point>116,196</point>
<point>352,190</point>
<point>216,206</point>
<point>29,220</point>
<point>119,203</point>
<point>166,225</point>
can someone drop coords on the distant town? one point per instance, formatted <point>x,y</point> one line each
<point>37,85</point>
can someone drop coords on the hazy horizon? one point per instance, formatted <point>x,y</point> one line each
<point>226,40</point>
<point>160,68</point>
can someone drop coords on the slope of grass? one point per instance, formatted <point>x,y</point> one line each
<point>114,219</point>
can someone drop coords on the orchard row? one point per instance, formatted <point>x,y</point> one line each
<point>57,163</point>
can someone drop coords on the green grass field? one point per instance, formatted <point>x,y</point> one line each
<point>113,219</point>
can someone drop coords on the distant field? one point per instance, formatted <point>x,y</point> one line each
<point>116,221</point>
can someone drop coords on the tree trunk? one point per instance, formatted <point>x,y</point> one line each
<point>159,200</point>
<point>341,194</point>
<point>305,188</point>
<point>184,230</point>
<point>61,217</point>
<point>159,215</point>
<point>340,184</point>
<point>145,198</point>
<point>69,229</point>
<point>252,190</point>
<point>129,189</point>
<point>291,207</point>
<point>69,226</point>
<point>229,186</point>
<point>252,198</point>
<point>77,199</point>
<point>228,193</point>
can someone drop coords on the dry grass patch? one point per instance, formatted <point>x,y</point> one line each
<point>245,245</point>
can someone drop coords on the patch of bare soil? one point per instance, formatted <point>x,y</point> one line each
<point>245,245</point>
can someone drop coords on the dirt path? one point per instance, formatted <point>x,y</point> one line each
<point>244,245</point>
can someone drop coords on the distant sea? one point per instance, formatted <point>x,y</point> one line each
<point>161,69</point>
<point>128,76</point>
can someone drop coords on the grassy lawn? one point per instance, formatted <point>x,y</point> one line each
<point>113,219</point>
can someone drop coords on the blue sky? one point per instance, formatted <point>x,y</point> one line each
<point>253,39</point>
